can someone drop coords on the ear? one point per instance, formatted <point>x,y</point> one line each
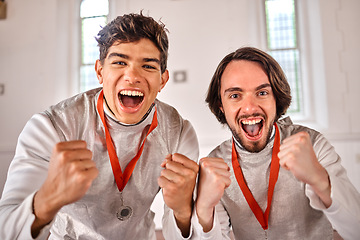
<point>98,70</point>
<point>164,79</point>
<point>221,108</point>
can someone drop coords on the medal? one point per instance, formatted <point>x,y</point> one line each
<point>124,212</point>
<point>121,178</point>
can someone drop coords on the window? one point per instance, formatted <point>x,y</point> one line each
<point>93,14</point>
<point>282,44</point>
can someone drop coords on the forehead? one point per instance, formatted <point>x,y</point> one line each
<point>144,48</point>
<point>243,74</point>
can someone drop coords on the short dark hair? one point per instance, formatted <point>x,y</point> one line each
<point>277,79</point>
<point>131,28</point>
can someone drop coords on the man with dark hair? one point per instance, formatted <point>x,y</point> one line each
<point>273,179</point>
<point>91,166</point>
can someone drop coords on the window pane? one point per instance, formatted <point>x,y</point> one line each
<point>90,28</point>
<point>88,79</point>
<point>90,8</point>
<point>289,62</point>
<point>280,21</point>
<point>282,45</point>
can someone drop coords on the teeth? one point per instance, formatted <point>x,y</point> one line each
<point>251,122</point>
<point>131,93</point>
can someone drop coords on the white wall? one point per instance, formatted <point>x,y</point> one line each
<point>201,34</point>
<point>37,62</point>
<point>341,40</point>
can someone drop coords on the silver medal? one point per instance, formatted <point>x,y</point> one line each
<point>124,212</point>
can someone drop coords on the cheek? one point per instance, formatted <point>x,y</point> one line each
<point>231,107</point>
<point>270,111</point>
<point>155,86</point>
<point>231,113</point>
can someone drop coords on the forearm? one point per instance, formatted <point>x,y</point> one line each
<point>27,172</point>
<point>44,212</point>
<point>205,217</point>
<point>16,221</point>
<point>220,228</point>
<point>171,228</point>
<point>344,212</point>
<point>322,188</point>
<point>183,222</point>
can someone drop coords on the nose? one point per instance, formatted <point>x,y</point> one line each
<point>132,75</point>
<point>249,104</point>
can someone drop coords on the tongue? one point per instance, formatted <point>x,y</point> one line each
<point>130,102</point>
<point>252,130</point>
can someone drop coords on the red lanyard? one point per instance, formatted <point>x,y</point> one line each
<point>120,177</point>
<point>263,218</point>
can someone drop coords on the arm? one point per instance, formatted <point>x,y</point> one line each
<point>214,178</point>
<point>297,155</point>
<point>178,181</point>
<point>71,172</point>
<point>344,209</point>
<point>19,209</point>
<point>176,224</point>
<point>220,228</point>
<point>344,212</point>
<point>27,171</point>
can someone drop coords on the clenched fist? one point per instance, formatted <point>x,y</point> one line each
<point>70,174</point>
<point>213,180</point>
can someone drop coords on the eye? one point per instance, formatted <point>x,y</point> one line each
<point>234,96</point>
<point>149,67</point>
<point>263,93</point>
<point>119,63</point>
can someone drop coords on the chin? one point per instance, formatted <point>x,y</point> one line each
<point>254,147</point>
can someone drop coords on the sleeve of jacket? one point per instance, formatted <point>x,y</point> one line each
<point>221,225</point>
<point>26,174</point>
<point>344,212</point>
<point>189,147</point>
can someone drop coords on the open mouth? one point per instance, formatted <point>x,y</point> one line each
<point>131,99</point>
<point>252,127</point>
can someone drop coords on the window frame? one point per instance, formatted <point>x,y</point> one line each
<point>299,109</point>
<point>80,44</point>
<point>309,39</point>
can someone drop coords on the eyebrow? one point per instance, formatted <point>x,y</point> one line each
<point>265,85</point>
<point>114,54</point>
<point>238,89</point>
<point>152,60</point>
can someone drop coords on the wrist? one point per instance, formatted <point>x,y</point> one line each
<point>44,208</point>
<point>42,215</point>
<point>205,216</point>
<point>322,188</point>
<point>183,221</point>
<point>182,216</point>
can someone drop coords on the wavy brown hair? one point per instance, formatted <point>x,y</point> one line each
<point>276,76</point>
<point>131,28</point>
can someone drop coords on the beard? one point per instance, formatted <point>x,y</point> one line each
<point>252,146</point>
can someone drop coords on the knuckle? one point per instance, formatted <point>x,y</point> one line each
<point>66,154</point>
<point>295,149</point>
<point>62,157</point>
<point>72,168</point>
<point>204,163</point>
<point>57,148</point>
<point>181,181</point>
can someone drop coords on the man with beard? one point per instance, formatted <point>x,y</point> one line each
<point>273,179</point>
<point>91,166</point>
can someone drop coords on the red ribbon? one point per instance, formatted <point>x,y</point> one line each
<point>120,177</point>
<point>263,218</point>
